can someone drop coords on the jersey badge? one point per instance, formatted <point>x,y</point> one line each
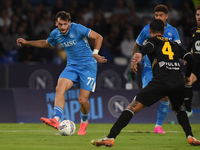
<point>198,31</point>
<point>169,34</point>
<point>71,35</point>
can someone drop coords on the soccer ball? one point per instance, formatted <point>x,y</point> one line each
<point>67,128</point>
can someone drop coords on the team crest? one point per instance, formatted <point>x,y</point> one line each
<point>198,31</point>
<point>169,33</point>
<point>71,36</point>
<point>145,42</point>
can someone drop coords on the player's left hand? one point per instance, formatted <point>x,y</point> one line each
<point>187,80</point>
<point>99,59</point>
<point>184,62</point>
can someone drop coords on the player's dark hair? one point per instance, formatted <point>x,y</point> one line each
<point>157,25</point>
<point>198,8</point>
<point>63,16</point>
<point>161,8</point>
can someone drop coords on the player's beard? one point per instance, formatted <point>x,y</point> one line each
<point>64,31</point>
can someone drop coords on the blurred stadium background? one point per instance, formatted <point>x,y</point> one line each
<point>28,75</point>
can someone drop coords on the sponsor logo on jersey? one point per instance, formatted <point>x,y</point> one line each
<point>170,65</point>
<point>69,43</point>
<point>116,105</point>
<point>197,45</point>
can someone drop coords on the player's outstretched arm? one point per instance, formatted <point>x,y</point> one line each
<point>38,43</point>
<point>97,39</point>
<point>97,45</point>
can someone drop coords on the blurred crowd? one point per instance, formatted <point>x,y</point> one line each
<point>118,21</point>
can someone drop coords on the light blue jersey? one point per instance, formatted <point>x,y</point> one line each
<point>170,32</point>
<point>81,65</point>
<point>75,44</point>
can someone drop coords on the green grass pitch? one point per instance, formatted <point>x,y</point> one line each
<point>133,137</point>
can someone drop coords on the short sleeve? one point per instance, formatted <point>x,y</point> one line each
<point>144,34</point>
<point>147,47</point>
<point>51,39</point>
<point>82,30</point>
<point>176,37</point>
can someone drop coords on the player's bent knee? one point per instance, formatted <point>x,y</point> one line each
<point>177,109</point>
<point>135,106</point>
<point>60,90</point>
<point>82,101</point>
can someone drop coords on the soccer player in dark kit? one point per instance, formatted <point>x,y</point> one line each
<point>171,33</point>
<point>164,56</point>
<point>194,47</point>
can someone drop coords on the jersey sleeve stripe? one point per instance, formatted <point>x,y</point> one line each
<point>150,43</point>
<point>89,32</point>
<point>186,54</point>
<point>138,43</point>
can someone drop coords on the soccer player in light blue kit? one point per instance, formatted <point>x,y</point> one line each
<point>81,65</point>
<point>160,12</point>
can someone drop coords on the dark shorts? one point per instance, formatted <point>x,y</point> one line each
<point>157,89</point>
<point>196,71</point>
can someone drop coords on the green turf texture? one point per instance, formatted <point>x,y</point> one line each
<point>133,137</point>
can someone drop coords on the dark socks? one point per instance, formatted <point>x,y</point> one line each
<point>188,97</point>
<point>184,122</point>
<point>121,122</point>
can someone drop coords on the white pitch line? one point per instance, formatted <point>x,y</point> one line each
<point>148,131</point>
<point>103,131</point>
<point>134,131</point>
<point>26,131</point>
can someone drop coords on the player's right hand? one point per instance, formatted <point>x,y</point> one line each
<point>135,59</point>
<point>100,59</point>
<point>21,41</point>
<point>133,67</point>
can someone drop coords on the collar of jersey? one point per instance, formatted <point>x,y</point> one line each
<point>166,25</point>
<point>66,33</point>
